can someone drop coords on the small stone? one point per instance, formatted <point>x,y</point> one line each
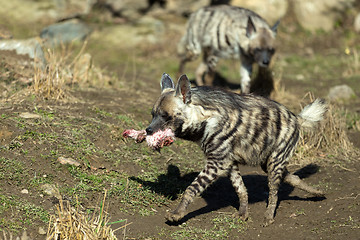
<point>25,191</point>
<point>28,115</point>
<point>300,77</point>
<point>70,161</point>
<point>41,231</point>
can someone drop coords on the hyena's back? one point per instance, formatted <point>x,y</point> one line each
<point>248,128</point>
<point>222,28</point>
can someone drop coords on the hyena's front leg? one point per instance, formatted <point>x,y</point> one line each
<point>205,72</point>
<point>207,176</point>
<point>241,191</point>
<point>245,72</point>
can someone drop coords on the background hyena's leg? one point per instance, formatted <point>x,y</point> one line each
<point>275,173</point>
<point>200,72</point>
<point>211,62</point>
<point>207,176</point>
<point>241,191</point>
<point>245,72</point>
<point>206,70</point>
<point>295,181</point>
<point>182,66</point>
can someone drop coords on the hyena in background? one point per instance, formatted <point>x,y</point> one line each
<point>225,31</point>
<point>233,130</point>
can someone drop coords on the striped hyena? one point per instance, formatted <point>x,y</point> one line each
<point>224,31</point>
<point>233,130</point>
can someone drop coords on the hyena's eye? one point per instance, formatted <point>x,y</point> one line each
<point>256,50</point>
<point>166,116</point>
<point>271,50</point>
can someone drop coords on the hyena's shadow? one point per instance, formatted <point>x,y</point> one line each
<point>262,83</point>
<point>221,193</point>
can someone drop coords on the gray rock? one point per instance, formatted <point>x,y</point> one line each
<point>146,30</point>
<point>320,14</point>
<point>31,47</point>
<point>270,10</point>
<point>357,23</point>
<point>341,93</point>
<point>51,190</point>
<point>65,32</point>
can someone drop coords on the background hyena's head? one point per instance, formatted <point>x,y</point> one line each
<point>170,109</point>
<point>262,43</point>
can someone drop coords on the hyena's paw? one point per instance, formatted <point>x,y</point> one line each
<point>269,218</point>
<point>174,216</point>
<point>268,222</point>
<point>243,214</point>
<point>318,193</point>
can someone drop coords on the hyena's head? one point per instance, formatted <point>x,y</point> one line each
<point>173,107</point>
<point>262,42</point>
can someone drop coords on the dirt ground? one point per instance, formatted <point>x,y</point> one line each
<point>88,127</point>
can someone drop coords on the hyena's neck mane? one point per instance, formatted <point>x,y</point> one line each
<point>213,99</point>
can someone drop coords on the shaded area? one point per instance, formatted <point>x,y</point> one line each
<point>170,184</point>
<point>221,193</point>
<point>262,84</point>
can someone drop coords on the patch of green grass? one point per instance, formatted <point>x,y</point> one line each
<point>45,114</point>
<point>102,113</point>
<point>353,121</point>
<point>22,213</point>
<point>134,197</point>
<point>13,170</point>
<point>222,227</point>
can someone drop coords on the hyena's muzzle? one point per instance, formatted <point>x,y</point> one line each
<point>263,56</point>
<point>156,124</point>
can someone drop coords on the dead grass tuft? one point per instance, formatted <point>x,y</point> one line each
<point>65,69</point>
<point>329,142</point>
<point>72,223</point>
<point>60,74</point>
<point>352,61</point>
<point>324,145</point>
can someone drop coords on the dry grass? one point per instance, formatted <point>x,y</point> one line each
<point>326,144</point>
<point>64,70</point>
<point>70,223</point>
<point>61,72</point>
<point>329,142</point>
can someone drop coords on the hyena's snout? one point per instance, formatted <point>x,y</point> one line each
<point>156,124</point>
<point>263,58</point>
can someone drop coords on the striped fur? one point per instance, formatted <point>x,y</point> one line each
<point>233,130</point>
<point>224,31</point>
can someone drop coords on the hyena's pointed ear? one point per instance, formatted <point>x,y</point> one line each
<point>250,28</point>
<point>166,82</point>
<point>183,89</point>
<point>274,28</point>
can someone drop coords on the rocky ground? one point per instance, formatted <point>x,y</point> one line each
<point>113,88</point>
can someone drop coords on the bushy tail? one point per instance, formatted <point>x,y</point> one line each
<point>313,113</point>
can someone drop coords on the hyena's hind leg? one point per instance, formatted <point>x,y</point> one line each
<point>295,181</point>
<point>241,191</point>
<point>207,176</point>
<point>275,170</point>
